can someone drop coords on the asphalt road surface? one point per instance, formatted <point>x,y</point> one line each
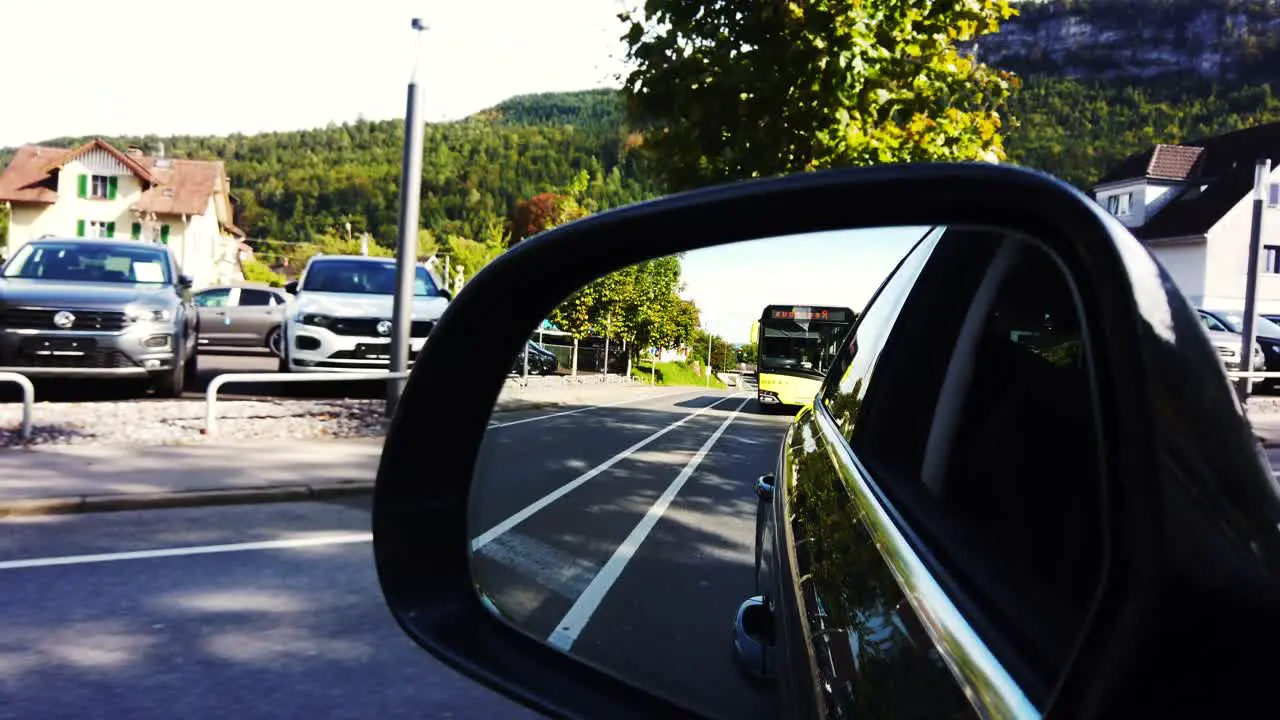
<point>625,535</point>
<point>295,630</point>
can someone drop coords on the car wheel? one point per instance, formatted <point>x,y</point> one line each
<point>274,342</point>
<point>172,382</point>
<point>191,368</point>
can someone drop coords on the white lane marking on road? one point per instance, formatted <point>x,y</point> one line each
<point>487,536</point>
<point>569,627</point>
<point>594,407</point>
<point>361,537</point>
<point>550,567</point>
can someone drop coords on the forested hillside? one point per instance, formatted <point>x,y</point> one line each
<point>292,186</point>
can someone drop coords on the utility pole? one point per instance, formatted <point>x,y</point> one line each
<point>1261,171</point>
<point>708,328</point>
<point>407,249</point>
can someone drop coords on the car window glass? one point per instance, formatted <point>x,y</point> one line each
<point>944,432</point>
<point>855,364</point>
<point>1211,323</point>
<point>254,297</point>
<point>213,298</point>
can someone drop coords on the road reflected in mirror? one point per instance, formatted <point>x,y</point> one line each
<point>614,514</point>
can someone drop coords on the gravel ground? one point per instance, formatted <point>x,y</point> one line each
<point>180,422</point>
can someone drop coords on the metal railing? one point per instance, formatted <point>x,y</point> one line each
<point>211,394</point>
<point>28,398</point>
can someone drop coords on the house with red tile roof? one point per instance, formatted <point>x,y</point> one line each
<point>97,190</point>
<point>1191,204</point>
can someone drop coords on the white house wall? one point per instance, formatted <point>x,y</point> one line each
<point>1228,257</point>
<point>1186,265</point>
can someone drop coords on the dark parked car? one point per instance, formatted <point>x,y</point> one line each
<point>241,316</point>
<point>78,308</point>
<point>541,362</point>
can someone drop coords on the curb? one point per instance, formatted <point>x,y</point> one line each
<point>78,504</point>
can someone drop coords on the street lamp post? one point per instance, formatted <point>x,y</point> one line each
<point>406,250</point>
<point>1261,175</point>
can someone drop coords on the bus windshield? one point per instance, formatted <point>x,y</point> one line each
<point>801,340</point>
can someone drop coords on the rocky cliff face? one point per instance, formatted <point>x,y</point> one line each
<point>1230,40</point>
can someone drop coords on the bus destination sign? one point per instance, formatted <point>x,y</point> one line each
<point>810,314</point>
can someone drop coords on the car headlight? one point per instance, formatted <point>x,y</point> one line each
<point>314,319</point>
<point>149,315</point>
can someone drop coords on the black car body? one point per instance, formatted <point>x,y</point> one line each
<point>911,566</point>
<point>79,308</point>
<point>541,362</point>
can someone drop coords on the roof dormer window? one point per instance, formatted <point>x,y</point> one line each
<point>1120,205</point>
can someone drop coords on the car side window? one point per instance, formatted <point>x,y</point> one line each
<point>220,297</point>
<point>849,372</point>
<point>254,298</point>
<point>981,428</point>
<point>1211,323</point>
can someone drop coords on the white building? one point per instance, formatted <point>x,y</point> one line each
<point>96,190</point>
<point>1192,206</point>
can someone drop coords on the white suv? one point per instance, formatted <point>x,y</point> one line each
<point>340,320</point>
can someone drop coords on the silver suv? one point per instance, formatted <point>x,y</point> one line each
<point>79,308</point>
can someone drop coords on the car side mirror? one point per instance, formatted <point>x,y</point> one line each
<point>446,294</point>
<point>291,287</point>
<point>185,281</point>
<point>462,543</point>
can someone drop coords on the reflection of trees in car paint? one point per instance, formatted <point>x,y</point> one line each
<point>851,602</point>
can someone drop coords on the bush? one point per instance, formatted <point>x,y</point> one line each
<point>258,272</point>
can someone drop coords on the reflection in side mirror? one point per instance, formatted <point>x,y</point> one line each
<point>622,520</point>
<point>291,287</point>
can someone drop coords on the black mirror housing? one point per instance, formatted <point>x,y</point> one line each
<point>185,281</point>
<point>291,287</point>
<point>1132,309</point>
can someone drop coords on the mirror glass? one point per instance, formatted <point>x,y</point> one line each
<point>616,513</point>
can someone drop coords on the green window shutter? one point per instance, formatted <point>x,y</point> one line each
<point>80,226</point>
<point>111,229</point>
<point>164,234</point>
<point>113,183</point>
<point>135,231</point>
<point>82,190</point>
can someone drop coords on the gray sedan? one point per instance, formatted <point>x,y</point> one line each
<point>241,316</point>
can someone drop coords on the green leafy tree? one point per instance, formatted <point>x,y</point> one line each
<point>732,89</point>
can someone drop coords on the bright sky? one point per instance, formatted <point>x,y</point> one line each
<point>732,284</point>
<point>148,66</point>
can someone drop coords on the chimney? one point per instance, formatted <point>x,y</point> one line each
<point>134,151</point>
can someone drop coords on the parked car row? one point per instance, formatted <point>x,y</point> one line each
<point>1225,328</point>
<point>91,308</point>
